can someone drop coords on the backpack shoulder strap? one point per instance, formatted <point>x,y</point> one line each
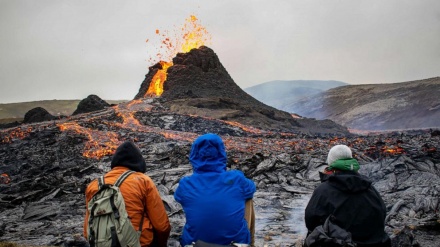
<point>123,177</point>
<point>101,182</point>
<point>119,182</point>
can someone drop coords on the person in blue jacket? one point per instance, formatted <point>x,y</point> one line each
<point>212,198</point>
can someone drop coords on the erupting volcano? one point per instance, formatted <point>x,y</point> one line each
<point>196,83</point>
<point>192,35</point>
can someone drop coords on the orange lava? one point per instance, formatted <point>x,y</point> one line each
<point>156,84</point>
<point>99,144</point>
<point>17,133</point>
<point>4,179</point>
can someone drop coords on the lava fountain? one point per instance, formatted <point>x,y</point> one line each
<point>192,35</point>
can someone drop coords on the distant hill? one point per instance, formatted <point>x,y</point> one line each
<point>16,111</point>
<point>405,105</point>
<point>279,93</point>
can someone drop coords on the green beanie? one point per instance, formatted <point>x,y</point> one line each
<point>345,165</point>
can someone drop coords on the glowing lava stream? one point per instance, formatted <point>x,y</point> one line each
<point>17,133</point>
<point>126,112</point>
<point>5,179</point>
<point>99,144</point>
<point>129,121</point>
<point>156,84</point>
<point>103,143</point>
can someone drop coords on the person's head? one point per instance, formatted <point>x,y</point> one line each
<point>340,158</point>
<point>128,155</point>
<point>208,154</point>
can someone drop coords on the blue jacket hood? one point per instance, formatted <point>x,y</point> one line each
<point>208,154</point>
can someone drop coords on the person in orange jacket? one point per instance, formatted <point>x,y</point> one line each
<point>140,195</point>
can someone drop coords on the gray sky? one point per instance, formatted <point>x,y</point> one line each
<point>68,49</point>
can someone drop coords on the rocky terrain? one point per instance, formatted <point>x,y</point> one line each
<point>45,166</point>
<point>50,164</point>
<point>405,105</point>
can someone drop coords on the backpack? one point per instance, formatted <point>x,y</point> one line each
<point>109,224</point>
<point>329,235</point>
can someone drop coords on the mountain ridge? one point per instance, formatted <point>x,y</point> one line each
<point>401,105</point>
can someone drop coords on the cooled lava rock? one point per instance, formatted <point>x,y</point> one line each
<point>10,125</point>
<point>90,104</point>
<point>37,114</point>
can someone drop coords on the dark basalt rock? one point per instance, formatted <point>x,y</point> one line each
<point>435,133</point>
<point>38,114</point>
<point>201,72</point>
<point>90,104</point>
<point>10,125</point>
<point>405,238</point>
<point>43,203</point>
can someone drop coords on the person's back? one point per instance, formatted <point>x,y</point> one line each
<point>142,200</point>
<point>351,199</point>
<point>213,199</point>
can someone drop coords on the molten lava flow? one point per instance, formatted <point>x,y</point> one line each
<point>103,143</point>
<point>393,150</point>
<point>17,133</point>
<point>156,84</point>
<point>4,179</point>
<point>99,144</point>
<point>249,129</point>
<point>126,112</point>
<point>183,136</point>
<point>193,35</point>
<point>337,140</point>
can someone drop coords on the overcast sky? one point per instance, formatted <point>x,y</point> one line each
<point>69,49</point>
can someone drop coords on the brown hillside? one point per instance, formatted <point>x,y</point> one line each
<point>405,105</point>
